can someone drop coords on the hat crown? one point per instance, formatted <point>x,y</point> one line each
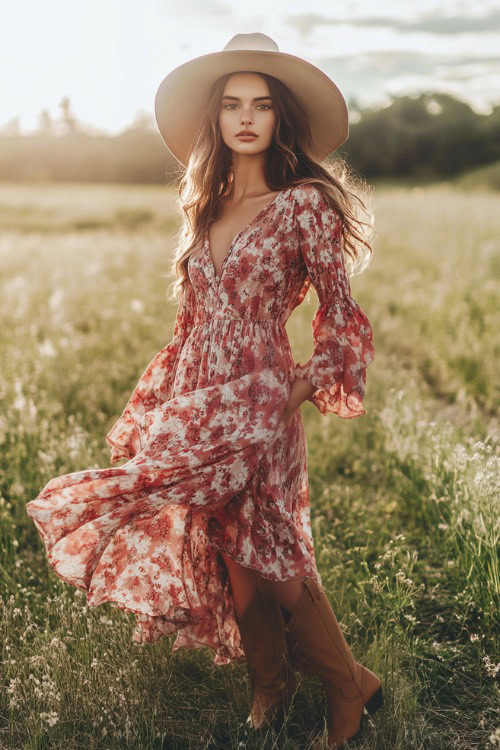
<point>256,41</point>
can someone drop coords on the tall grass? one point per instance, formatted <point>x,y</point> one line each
<point>404,502</point>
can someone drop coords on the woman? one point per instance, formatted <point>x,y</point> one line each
<point>205,530</point>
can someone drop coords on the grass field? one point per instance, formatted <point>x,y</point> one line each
<point>404,501</point>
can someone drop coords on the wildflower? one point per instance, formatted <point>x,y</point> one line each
<point>51,718</point>
<point>56,642</point>
<point>495,737</point>
<point>491,669</point>
<point>14,683</point>
<point>47,349</point>
<point>137,305</point>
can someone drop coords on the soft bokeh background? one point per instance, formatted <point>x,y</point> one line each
<point>404,502</point>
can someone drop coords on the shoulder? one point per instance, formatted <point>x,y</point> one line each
<point>307,194</point>
<point>311,206</point>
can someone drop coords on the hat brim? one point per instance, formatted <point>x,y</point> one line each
<point>182,97</point>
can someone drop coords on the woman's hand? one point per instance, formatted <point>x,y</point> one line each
<point>287,415</point>
<point>300,390</point>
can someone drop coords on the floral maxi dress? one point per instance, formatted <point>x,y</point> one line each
<point>210,464</point>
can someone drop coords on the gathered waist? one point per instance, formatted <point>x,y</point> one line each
<point>225,344</point>
<point>249,321</point>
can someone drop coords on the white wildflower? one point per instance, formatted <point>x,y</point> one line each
<point>137,305</point>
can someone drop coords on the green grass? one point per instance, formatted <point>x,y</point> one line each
<point>404,502</point>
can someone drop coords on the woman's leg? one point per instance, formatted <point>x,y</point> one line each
<point>244,584</point>
<point>245,581</point>
<point>287,593</point>
<point>263,641</point>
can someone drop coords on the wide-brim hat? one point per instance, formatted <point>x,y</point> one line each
<point>182,97</point>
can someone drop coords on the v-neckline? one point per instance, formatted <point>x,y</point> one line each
<point>216,276</point>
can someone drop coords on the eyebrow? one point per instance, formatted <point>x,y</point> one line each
<point>237,98</point>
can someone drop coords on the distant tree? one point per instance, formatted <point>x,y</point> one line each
<point>426,135</point>
<point>45,123</point>
<point>143,122</point>
<point>354,109</point>
<point>68,120</point>
<point>491,126</point>
<point>11,127</point>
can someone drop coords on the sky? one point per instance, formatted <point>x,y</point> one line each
<point>109,56</point>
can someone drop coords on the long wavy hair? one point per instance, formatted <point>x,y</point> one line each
<point>208,178</point>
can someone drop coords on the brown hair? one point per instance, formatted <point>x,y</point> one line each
<point>208,177</point>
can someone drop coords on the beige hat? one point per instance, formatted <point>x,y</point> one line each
<point>182,97</point>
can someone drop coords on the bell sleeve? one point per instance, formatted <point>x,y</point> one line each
<point>155,384</point>
<point>342,334</point>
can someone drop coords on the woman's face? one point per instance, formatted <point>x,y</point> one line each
<point>247,105</point>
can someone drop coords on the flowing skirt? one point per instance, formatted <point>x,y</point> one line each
<point>147,536</point>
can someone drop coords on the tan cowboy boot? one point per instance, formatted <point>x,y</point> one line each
<point>273,682</point>
<point>349,686</point>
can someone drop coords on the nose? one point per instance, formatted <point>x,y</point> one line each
<point>246,117</point>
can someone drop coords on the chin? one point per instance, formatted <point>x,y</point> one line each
<point>249,148</point>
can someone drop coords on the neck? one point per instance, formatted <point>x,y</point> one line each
<point>248,176</point>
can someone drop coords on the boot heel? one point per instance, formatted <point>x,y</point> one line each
<point>375,702</point>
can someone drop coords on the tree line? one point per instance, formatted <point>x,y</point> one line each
<point>428,135</point>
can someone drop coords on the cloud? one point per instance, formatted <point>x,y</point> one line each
<point>430,23</point>
<point>373,77</point>
<point>435,23</point>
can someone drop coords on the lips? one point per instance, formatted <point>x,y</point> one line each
<point>246,132</point>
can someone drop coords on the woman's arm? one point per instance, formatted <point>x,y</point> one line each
<point>342,334</point>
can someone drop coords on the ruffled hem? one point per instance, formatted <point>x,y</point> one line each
<point>334,400</point>
<point>337,367</point>
<point>136,535</point>
<point>123,440</point>
<point>208,631</point>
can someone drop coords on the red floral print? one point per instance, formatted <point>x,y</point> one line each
<point>211,465</point>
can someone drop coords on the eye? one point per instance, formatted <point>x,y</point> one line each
<point>233,104</point>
